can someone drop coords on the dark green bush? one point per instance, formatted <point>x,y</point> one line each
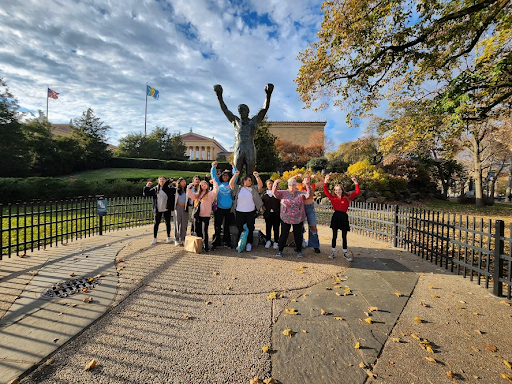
<point>194,166</point>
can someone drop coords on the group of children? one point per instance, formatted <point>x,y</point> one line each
<point>240,204</point>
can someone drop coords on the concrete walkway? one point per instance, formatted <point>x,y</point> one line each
<point>164,315</point>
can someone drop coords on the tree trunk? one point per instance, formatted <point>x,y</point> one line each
<point>509,188</point>
<point>477,171</point>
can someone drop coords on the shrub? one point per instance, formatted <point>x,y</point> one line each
<point>194,166</point>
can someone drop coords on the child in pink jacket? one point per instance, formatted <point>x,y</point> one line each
<point>206,198</point>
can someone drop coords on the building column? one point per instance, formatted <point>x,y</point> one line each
<point>208,154</point>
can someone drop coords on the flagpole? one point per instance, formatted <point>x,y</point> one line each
<point>146,112</point>
<point>47,103</point>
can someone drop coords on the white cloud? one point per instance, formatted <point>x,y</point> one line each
<point>100,54</point>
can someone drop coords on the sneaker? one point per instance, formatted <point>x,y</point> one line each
<point>227,245</point>
<point>176,243</point>
<point>181,244</point>
<point>279,254</point>
<point>304,243</point>
<point>331,255</point>
<point>299,254</point>
<point>317,250</point>
<point>154,241</point>
<point>169,240</point>
<point>347,256</point>
<point>268,244</point>
<point>248,248</point>
<point>276,245</point>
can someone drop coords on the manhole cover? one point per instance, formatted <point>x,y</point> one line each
<point>70,287</point>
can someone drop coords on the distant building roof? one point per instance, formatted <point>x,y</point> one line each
<point>191,136</point>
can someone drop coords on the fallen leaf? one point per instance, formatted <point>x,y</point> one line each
<point>462,302</point>
<point>369,320</point>
<point>91,365</point>
<point>288,332</point>
<point>475,349</point>
<point>507,363</point>
<point>228,288</point>
<point>72,275</point>
<point>270,381</point>
<point>215,273</point>
<point>88,299</point>
<point>373,309</point>
<point>491,348</point>
<point>338,294</point>
<point>395,340</point>
<point>338,318</point>
<point>362,365</point>
<point>414,336</point>
<point>431,359</point>
<point>265,349</point>
<point>256,380</point>
<point>476,314</point>
<point>398,294</point>
<point>120,261</point>
<point>291,311</point>
<point>430,287</point>
<point>505,302</point>
<point>450,374</point>
<point>430,350</point>
<point>328,288</point>
<point>85,290</point>
<point>479,331</point>
<point>435,296</point>
<point>300,271</point>
<point>207,302</point>
<point>16,381</point>
<point>424,304</point>
<point>507,377</point>
<point>322,312</point>
<point>49,361</point>
<point>370,374</point>
<point>357,346</point>
<point>418,320</point>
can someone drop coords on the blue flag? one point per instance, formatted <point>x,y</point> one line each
<point>152,92</point>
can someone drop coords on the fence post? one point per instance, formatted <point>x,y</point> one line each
<point>498,262</point>
<point>395,239</point>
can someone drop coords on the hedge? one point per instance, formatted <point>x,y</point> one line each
<point>49,188</point>
<point>176,165</point>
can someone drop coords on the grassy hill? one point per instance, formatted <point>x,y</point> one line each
<point>131,173</point>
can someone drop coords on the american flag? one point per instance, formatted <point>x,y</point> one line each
<point>52,94</point>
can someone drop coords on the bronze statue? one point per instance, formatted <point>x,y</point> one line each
<point>245,129</point>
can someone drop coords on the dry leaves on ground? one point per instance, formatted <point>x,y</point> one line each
<point>91,365</point>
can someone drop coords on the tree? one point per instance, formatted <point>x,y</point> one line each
<point>14,157</point>
<point>367,48</point>
<point>159,144</point>
<point>350,152</point>
<point>91,134</point>
<point>38,133</point>
<point>267,157</point>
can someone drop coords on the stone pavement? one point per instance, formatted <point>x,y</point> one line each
<point>167,316</point>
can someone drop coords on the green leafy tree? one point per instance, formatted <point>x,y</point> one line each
<point>91,134</point>
<point>350,152</point>
<point>15,159</point>
<point>159,144</point>
<point>267,156</point>
<point>368,48</point>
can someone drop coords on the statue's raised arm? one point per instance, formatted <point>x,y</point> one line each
<point>263,111</point>
<point>218,90</point>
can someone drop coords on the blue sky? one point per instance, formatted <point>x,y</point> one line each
<point>101,54</point>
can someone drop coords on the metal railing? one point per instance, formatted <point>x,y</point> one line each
<point>471,247</point>
<point>465,246</point>
<point>28,226</point>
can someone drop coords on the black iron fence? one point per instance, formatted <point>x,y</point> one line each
<point>477,249</point>
<point>471,247</point>
<point>28,226</point>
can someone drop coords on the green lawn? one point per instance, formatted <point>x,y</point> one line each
<point>131,173</point>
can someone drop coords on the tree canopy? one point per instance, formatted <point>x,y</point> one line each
<point>369,48</point>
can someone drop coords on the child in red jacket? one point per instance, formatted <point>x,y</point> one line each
<point>340,202</point>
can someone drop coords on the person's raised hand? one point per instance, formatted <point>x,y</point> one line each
<point>218,89</point>
<point>354,179</point>
<point>327,178</point>
<point>149,184</point>
<point>277,181</point>
<point>255,174</point>
<point>237,172</point>
<point>214,164</point>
